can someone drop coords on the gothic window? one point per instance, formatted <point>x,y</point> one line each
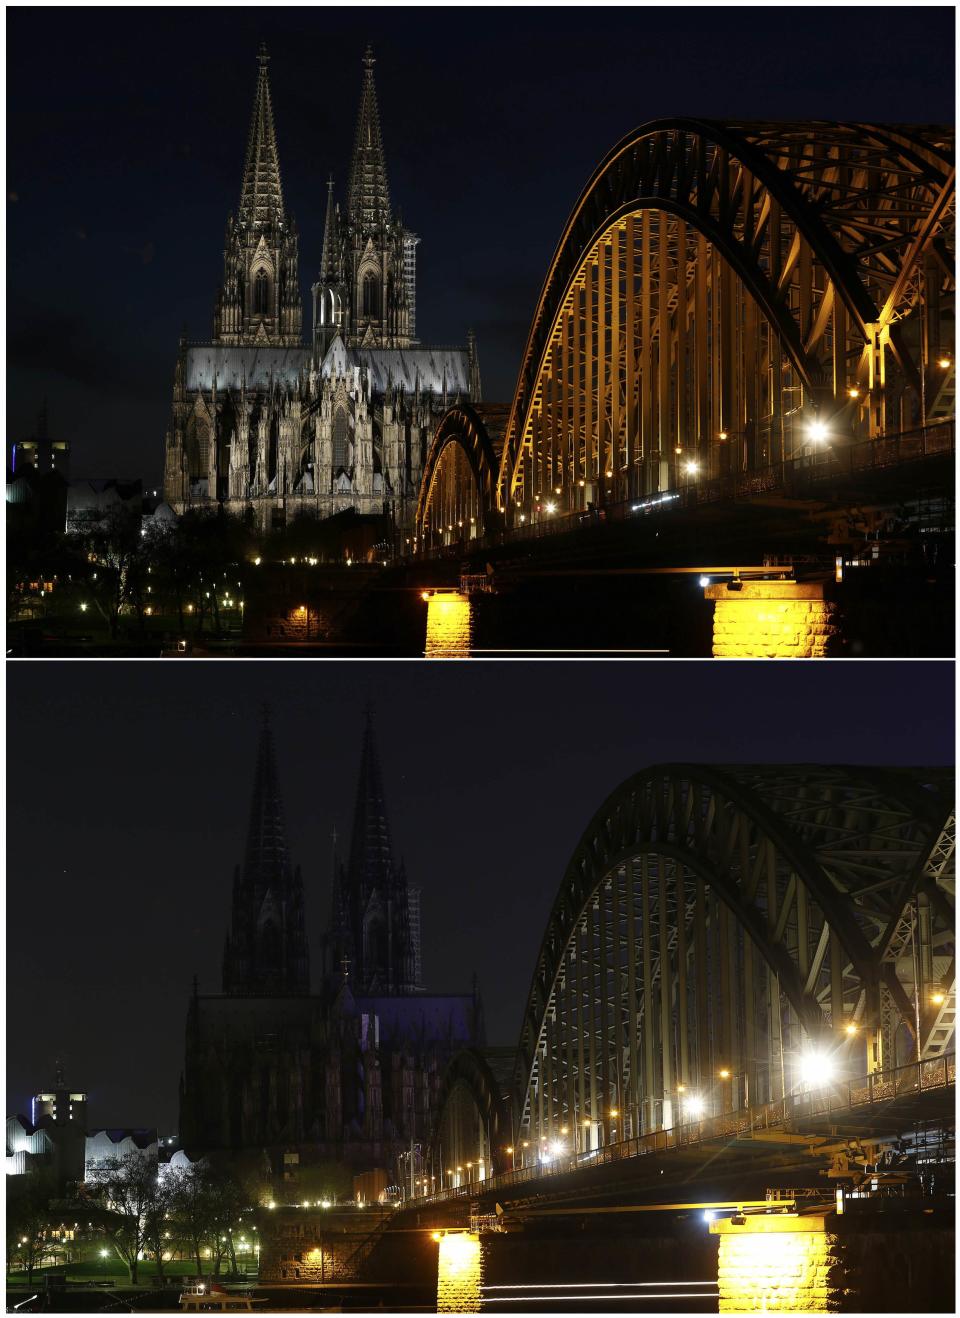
<point>261,293</point>
<point>371,296</point>
<point>339,439</point>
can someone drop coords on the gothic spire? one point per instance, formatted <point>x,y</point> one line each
<point>368,196</point>
<point>266,951</point>
<point>371,853</point>
<point>261,197</point>
<point>328,260</point>
<point>266,857</point>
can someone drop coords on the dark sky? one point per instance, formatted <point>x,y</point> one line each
<point>126,135</point>
<point>129,787</point>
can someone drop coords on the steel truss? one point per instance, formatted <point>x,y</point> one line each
<point>458,487</point>
<point>718,286</point>
<point>716,923</point>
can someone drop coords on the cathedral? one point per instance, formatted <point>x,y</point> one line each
<point>341,1067</point>
<point>264,422</point>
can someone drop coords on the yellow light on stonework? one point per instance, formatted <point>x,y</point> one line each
<point>459,1273</point>
<point>315,1255</point>
<point>774,1264</point>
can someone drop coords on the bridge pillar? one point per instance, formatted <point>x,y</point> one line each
<point>449,626</point>
<point>777,1264</point>
<point>773,620</point>
<point>459,1272</point>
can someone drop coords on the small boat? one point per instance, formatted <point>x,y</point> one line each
<point>201,1298</point>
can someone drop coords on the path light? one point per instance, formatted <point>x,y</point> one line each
<point>818,431</point>
<point>691,468</point>
<point>694,1106</point>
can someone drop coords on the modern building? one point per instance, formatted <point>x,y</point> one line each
<point>344,1068</point>
<point>56,1137</point>
<point>262,420</point>
<point>41,452</point>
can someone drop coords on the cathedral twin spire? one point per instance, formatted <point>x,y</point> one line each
<point>374,931</point>
<point>368,196</point>
<point>266,951</point>
<point>261,196</point>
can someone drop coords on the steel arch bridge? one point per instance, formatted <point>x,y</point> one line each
<point>723,296</point>
<point>720,930</point>
<point>458,490</point>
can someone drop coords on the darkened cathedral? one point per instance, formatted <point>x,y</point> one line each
<point>262,421</point>
<point>344,1066</point>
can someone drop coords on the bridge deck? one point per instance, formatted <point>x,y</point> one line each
<point>884,1103</point>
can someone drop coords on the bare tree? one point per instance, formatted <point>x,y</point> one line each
<point>128,1187</point>
<point>28,1220</point>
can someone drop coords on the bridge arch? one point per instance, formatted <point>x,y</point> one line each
<point>474,1126</point>
<point>716,929</point>
<point>718,288</point>
<point>458,489</point>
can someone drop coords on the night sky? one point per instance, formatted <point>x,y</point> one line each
<point>127,128</point>
<point>129,788</point>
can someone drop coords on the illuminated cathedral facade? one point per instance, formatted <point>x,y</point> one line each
<point>264,421</point>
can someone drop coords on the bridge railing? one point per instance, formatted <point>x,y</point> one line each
<point>879,1087</point>
<point>793,477</point>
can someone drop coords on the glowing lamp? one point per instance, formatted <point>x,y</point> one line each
<point>694,1107</point>
<point>724,1074</point>
<point>853,392</point>
<point>818,431</point>
<point>691,468</point>
<point>816,1069</point>
<point>938,999</point>
<point>945,363</point>
<point>722,435</point>
<point>851,1028</point>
